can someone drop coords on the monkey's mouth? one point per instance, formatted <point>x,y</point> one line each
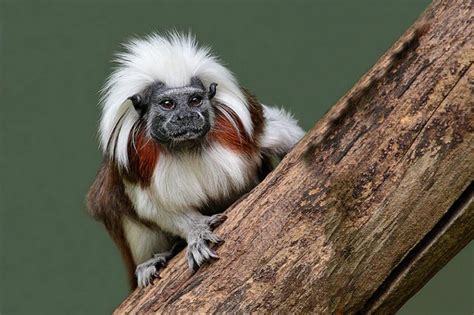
<point>180,135</point>
<point>187,134</point>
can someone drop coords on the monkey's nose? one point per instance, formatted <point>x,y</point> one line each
<point>183,116</point>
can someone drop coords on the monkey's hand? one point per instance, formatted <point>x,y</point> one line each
<point>199,239</point>
<point>149,270</point>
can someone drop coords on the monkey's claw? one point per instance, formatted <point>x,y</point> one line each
<point>216,220</point>
<point>199,252</point>
<point>149,270</point>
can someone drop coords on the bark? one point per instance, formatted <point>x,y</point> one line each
<point>374,200</point>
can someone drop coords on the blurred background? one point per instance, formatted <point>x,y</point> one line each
<point>54,58</point>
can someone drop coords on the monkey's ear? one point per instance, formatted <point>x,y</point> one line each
<point>212,90</point>
<point>138,103</point>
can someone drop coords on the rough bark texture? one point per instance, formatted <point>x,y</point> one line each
<point>367,207</point>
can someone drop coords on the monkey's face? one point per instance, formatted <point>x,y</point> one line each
<point>176,116</point>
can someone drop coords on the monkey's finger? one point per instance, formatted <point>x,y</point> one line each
<point>214,238</point>
<point>213,254</point>
<point>208,254</point>
<point>216,220</point>
<point>192,265</point>
<point>195,250</point>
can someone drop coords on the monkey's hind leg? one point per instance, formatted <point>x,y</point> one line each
<point>149,270</point>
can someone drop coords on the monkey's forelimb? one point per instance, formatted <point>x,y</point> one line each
<point>199,238</point>
<point>198,234</point>
<point>149,270</point>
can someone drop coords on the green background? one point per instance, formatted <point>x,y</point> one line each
<point>55,56</point>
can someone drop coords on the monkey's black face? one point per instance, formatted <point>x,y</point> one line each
<point>176,116</point>
<point>179,115</point>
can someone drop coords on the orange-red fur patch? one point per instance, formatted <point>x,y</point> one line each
<point>226,133</point>
<point>143,154</point>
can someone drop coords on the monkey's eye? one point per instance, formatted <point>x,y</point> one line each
<point>167,104</point>
<point>195,100</point>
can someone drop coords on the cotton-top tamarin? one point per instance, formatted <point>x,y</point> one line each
<point>182,140</point>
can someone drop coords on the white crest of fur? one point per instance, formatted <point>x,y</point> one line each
<point>173,59</point>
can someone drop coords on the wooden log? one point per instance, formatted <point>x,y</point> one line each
<point>374,200</point>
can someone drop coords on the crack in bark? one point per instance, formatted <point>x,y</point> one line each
<point>461,75</point>
<point>463,201</point>
<point>410,82</point>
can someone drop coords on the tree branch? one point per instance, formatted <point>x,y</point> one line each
<point>374,200</point>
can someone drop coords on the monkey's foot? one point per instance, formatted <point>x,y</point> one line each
<point>148,271</point>
<point>198,248</point>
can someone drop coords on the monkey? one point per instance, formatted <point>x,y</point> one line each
<point>182,140</point>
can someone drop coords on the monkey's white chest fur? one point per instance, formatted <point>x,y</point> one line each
<point>183,183</point>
